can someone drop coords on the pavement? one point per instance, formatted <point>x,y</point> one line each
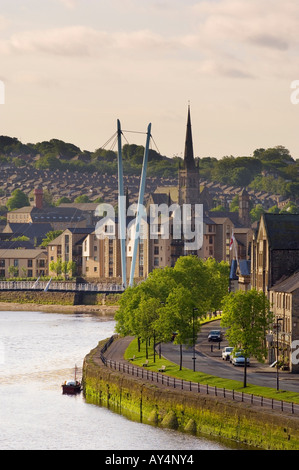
<point>209,361</point>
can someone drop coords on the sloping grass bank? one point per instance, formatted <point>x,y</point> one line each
<point>178,409</point>
<point>202,378</point>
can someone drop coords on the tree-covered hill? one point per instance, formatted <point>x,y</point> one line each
<point>273,169</point>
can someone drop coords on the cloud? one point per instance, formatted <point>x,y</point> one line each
<point>268,40</point>
<point>84,41</point>
<point>233,38</point>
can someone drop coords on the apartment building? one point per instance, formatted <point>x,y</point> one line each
<point>23,263</point>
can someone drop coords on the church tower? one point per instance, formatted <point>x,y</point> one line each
<point>188,175</point>
<point>244,208</point>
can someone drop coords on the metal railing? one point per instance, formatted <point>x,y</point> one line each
<point>195,387</point>
<point>60,286</point>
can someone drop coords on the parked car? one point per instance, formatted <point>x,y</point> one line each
<point>238,359</point>
<point>215,335</point>
<point>226,353</point>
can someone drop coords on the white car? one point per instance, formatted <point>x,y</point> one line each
<point>226,353</point>
<point>239,360</point>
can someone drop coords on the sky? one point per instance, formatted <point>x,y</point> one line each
<point>71,68</point>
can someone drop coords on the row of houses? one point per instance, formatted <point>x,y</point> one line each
<point>275,271</point>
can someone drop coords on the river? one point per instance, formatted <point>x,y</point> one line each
<point>38,351</point>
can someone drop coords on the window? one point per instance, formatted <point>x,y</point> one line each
<point>16,263</point>
<point>29,263</point>
<point>156,250</point>
<point>95,269</point>
<point>29,273</point>
<point>156,261</point>
<point>2,263</point>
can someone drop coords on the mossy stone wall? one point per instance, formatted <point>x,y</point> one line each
<point>189,412</point>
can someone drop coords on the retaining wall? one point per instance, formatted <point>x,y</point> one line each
<point>146,402</point>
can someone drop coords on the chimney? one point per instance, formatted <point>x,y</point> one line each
<point>38,198</point>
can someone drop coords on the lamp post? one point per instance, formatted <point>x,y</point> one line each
<point>160,352</point>
<point>194,357</point>
<point>277,349</point>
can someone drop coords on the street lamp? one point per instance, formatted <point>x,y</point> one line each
<point>160,352</point>
<point>194,357</point>
<point>277,367</point>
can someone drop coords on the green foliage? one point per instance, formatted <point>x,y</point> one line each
<point>170,298</point>
<point>17,200</point>
<point>256,212</point>
<point>82,198</point>
<point>63,200</point>
<point>50,236</point>
<point>272,169</point>
<point>248,317</point>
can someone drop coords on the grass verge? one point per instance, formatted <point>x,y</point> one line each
<point>202,378</point>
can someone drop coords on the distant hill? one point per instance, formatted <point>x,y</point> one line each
<point>272,170</point>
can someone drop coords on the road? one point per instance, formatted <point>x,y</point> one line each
<point>211,362</point>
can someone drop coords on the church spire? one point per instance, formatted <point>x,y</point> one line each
<point>189,162</point>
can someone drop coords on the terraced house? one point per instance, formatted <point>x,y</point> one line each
<point>275,271</point>
<point>23,263</point>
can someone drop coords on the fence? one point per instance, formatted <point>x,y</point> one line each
<point>60,286</point>
<point>195,387</point>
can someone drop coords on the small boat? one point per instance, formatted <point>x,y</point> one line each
<point>72,387</point>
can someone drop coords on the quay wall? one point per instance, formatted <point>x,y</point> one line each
<point>57,297</point>
<point>156,405</point>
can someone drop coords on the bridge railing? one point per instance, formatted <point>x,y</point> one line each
<point>61,286</point>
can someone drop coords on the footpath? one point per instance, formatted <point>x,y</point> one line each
<point>211,363</point>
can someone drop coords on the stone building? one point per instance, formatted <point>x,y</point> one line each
<point>23,263</point>
<point>68,247</point>
<point>274,270</point>
<point>284,298</point>
<point>275,250</point>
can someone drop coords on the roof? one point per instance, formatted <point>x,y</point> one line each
<point>29,230</point>
<point>243,269</point>
<point>189,162</point>
<point>7,244</point>
<point>282,230</point>
<point>220,216</point>
<point>60,214</point>
<point>289,284</point>
<point>22,253</point>
<point>82,206</point>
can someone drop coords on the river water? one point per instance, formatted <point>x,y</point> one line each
<point>38,351</point>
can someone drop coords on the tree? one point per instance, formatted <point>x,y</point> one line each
<point>248,317</point>
<point>192,285</point>
<point>82,198</point>
<point>50,236</point>
<point>71,267</point>
<point>256,212</point>
<point>17,200</point>
<point>56,266</point>
<point>177,317</point>
<point>63,200</point>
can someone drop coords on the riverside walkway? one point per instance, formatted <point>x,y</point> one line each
<point>113,357</point>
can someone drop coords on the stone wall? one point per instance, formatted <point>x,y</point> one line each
<point>200,414</point>
<point>39,297</point>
